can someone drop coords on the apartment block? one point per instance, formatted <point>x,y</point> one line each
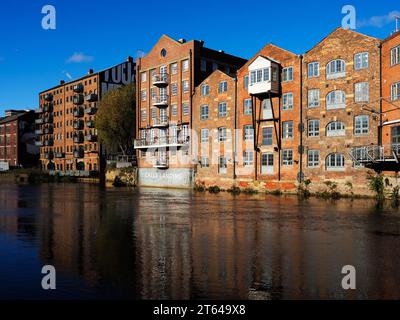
<point>167,78</point>
<point>17,139</point>
<point>66,120</point>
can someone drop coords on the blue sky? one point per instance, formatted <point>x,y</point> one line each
<point>98,34</point>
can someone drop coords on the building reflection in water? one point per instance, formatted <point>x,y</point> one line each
<point>175,244</point>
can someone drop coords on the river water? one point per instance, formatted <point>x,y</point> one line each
<point>179,244</point>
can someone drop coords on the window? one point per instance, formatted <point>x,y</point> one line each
<point>185,65</point>
<point>361,92</point>
<point>143,95</point>
<point>221,134</point>
<point>203,65</point>
<point>395,56</point>
<point>361,61</point>
<point>144,114</point>
<point>248,158</point>
<point>361,124</point>
<point>287,130</point>
<point>153,93</point>
<point>313,98</point>
<point>258,76</point>
<point>313,69</point>
<point>287,101</point>
<point>153,113</point>
<point>204,135</point>
<point>222,109</point>
<point>287,157</point>
<point>185,84</point>
<point>287,74</point>
<point>267,136</point>
<point>246,82</point>
<point>248,132</point>
<point>223,86</point>
<point>185,108</point>
<point>204,112</point>
<point>336,100</point>
<point>335,161</point>
<point>313,158</point>
<point>174,89</point>
<point>174,110</point>
<point>313,128</point>
<point>205,162</point>
<point>205,90</point>
<point>222,165</point>
<point>395,91</point>
<point>143,76</point>
<point>335,69</point>
<point>174,68</point>
<point>247,107</point>
<point>335,129</point>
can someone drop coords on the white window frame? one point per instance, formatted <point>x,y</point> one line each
<point>204,112</point>
<point>287,157</point>
<point>248,131</point>
<point>185,65</point>
<point>336,129</point>
<point>174,68</point>
<point>287,130</point>
<point>336,69</point>
<point>395,91</point>
<point>361,92</point>
<point>361,61</point>
<point>205,162</point>
<point>222,134</point>
<point>313,70</point>
<point>267,135</point>
<point>205,135</point>
<point>143,94</point>
<point>313,128</point>
<point>223,86</point>
<point>313,158</point>
<point>313,98</point>
<point>185,86</point>
<point>361,125</point>
<point>174,111</point>
<point>143,76</point>
<point>335,162</point>
<point>143,113</point>
<point>248,158</point>
<point>174,89</point>
<point>247,107</point>
<point>395,56</point>
<point>222,110</point>
<point>287,74</point>
<point>185,108</point>
<point>336,100</point>
<point>205,90</point>
<point>287,101</point>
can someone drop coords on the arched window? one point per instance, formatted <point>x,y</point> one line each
<point>336,100</point>
<point>335,69</point>
<point>335,129</point>
<point>335,162</point>
<point>205,90</point>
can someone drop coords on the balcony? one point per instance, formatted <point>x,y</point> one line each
<point>161,142</point>
<point>161,101</point>
<point>38,143</point>
<point>78,112</point>
<point>39,111</point>
<point>59,155</point>
<point>48,97</point>
<point>91,110</point>
<point>48,119</point>
<point>161,122</point>
<point>39,121</point>
<point>161,163</point>
<point>49,155</point>
<point>77,99</point>
<point>38,132</point>
<point>92,97</point>
<point>78,137</point>
<point>160,80</point>
<point>91,138</point>
<point>78,88</point>
<point>48,143</point>
<point>78,125</point>
<point>49,129</point>
<point>48,108</point>
<point>263,77</point>
<point>79,153</point>
<point>90,124</point>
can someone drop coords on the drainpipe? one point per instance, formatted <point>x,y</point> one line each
<point>235,130</point>
<point>380,128</point>
<point>301,147</point>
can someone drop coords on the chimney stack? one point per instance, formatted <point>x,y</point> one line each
<point>90,71</point>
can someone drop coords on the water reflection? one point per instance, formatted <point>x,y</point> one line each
<point>163,244</point>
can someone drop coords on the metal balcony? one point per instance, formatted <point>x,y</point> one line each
<point>48,143</point>
<point>48,97</point>
<point>91,110</point>
<point>90,124</point>
<point>48,119</point>
<point>79,153</point>
<point>39,121</point>
<point>377,157</point>
<point>49,155</point>
<point>38,132</point>
<point>77,99</point>
<point>160,80</point>
<point>161,142</point>
<point>49,129</point>
<point>78,88</point>
<point>78,112</point>
<point>38,143</point>
<point>161,163</point>
<point>48,108</point>
<point>161,122</point>
<point>91,138</point>
<point>78,125</point>
<point>92,97</point>
<point>39,111</point>
<point>59,155</point>
<point>161,101</point>
<point>78,138</point>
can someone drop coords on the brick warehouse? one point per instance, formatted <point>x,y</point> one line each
<point>65,122</point>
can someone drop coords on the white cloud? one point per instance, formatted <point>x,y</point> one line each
<point>79,57</point>
<point>378,21</point>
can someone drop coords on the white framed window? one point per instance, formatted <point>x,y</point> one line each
<point>153,113</point>
<point>185,108</point>
<point>336,100</point>
<point>361,61</point>
<point>143,114</point>
<point>335,162</point>
<point>174,89</point>
<point>361,92</point>
<point>258,76</point>
<point>203,65</point>
<point>335,129</point>
<point>287,101</point>
<point>222,165</point>
<point>287,130</point>
<point>287,74</point>
<point>267,136</point>
<point>185,65</point>
<point>153,93</point>
<point>223,86</point>
<point>287,157</point>
<point>313,128</point>
<point>174,68</point>
<point>313,69</point>
<point>247,107</point>
<point>205,90</point>
<point>204,135</point>
<point>395,91</point>
<point>335,69</point>
<point>313,98</point>
<point>361,124</point>
<point>143,76</point>
<point>246,82</point>
<point>221,134</point>
<point>204,112</point>
<point>248,132</point>
<point>174,110</point>
<point>395,56</point>
<point>248,158</point>
<point>205,162</point>
<point>313,158</point>
<point>185,85</point>
<point>143,94</point>
<point>222,109</point>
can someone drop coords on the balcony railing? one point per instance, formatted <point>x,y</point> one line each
<point>48,143</point>
<point>375,154</point>
<point>48,97</point>
<point>48,130</point>
<point>38,143</point>
<point>38,132</point>
<point>91,138</point>
<point>160,122</point>
<point>77,99</point>
<point>59,155</point>
<point>78,88</point>
<point>160,101</point>
<point>161,163</point>
<point>90,124</point>
<point>78,124</point>
<point>91,110</point>
<point>48,108</point>
<point>160,80</point>
<point>171,141</point>
<point>39,121</point>
<point>79,153</point>
<point>78,112</point>
<point>78,138</point>
<point>49,155</point>
<point>92,97</point>
<point>48,119</point>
